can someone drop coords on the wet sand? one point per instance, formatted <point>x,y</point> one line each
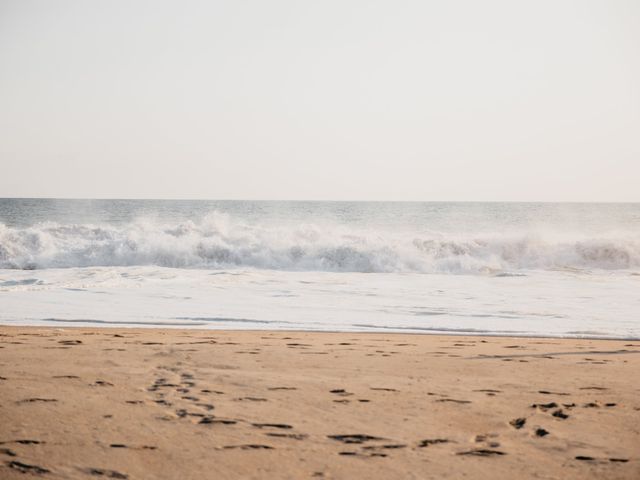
<point>186,404</point>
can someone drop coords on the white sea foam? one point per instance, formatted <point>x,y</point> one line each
<point>220,241</point>
<point>555,303</point>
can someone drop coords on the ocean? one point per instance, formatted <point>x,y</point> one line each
<point>525,269</point>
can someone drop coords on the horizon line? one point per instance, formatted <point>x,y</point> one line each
<point>201,199</point>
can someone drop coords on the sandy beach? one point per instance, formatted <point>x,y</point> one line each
<point>193,404</point>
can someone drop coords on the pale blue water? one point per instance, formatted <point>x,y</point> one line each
<point>443,216</point>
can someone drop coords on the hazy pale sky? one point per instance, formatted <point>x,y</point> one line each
<point>349,99</point>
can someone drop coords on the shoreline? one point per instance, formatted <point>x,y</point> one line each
<point>391,331</point>
<point>131,402</point>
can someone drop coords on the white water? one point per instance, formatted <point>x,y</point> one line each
<point>361,269</point>
<point>218,241</point>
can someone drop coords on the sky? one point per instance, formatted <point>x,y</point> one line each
<point>321,100</point>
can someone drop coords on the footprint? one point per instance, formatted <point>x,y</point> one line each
<point>272,425</point>
<point>354,438</point>
<point>212,420</point>
<point>432,441</point>
<point>372,454</point>
<point>295,436</point>
<point>26,468</point>
<point>100,472</point>
<point>545,406</point>
<point>560,414</point>
<point>541,432</point>
<point>143,447</point>
<point>33,400</point>
<point>250,446</point>
<point>184,413</point>
<point>518,423</point>
<point>482,452</point>
<point>389,446</point>
<point>102,383</point>
<point>340,391</point>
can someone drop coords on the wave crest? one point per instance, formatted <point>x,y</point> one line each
<point>220,242</point>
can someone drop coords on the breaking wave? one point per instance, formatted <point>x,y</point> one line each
<point>217,241</point>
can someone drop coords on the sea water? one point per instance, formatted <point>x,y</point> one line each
<point>551,269</point>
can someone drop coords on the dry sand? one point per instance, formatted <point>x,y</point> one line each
<point>186,404</point>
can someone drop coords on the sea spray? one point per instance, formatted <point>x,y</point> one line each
<point>218,240</point>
